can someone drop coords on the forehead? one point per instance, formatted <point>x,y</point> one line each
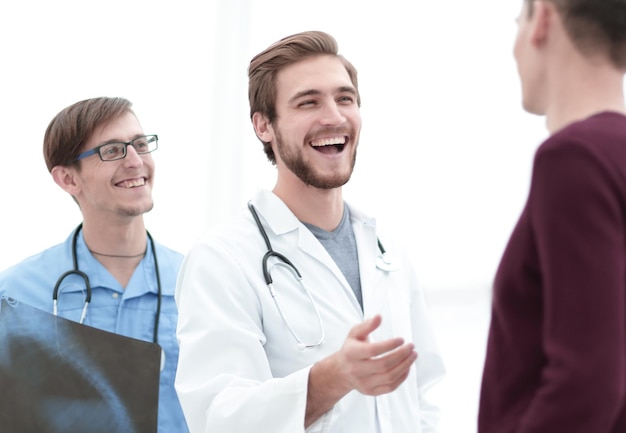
<point>123,128</point>
<point>324,74</point>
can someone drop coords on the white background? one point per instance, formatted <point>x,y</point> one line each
<point>445,152</point>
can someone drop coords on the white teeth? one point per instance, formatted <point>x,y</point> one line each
<point>328,141</point>
<point>133,183</point>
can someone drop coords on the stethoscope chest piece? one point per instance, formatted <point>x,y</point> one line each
<point>386,262</point>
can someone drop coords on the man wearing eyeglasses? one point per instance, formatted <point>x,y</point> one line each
<point>97,151</point>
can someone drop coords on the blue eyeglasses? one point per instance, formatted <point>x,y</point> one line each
<point>117,150</point>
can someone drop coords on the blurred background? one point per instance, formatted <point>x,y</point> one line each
<point>445,152</point>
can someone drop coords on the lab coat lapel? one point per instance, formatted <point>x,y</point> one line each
<point>281,221</point>
<point>367,248</point>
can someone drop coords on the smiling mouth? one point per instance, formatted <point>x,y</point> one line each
<point>132,183</point>
<point>328,145</point>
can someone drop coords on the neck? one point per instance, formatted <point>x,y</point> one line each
<point>110,242</point>
<point>583,89</point>
<point>105,239</point>
<point>322,208</point>
<point>562,115</point>
<point>116,256</point>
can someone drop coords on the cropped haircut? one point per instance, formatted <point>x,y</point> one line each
<point>595,25</point>
<point>264,68</point>
<point>73,126</point>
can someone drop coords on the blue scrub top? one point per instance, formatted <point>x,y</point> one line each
<point>130,312</point>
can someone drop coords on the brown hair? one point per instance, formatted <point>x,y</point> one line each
<point>291,49</point>
<point>595,25</point>
<point>73,126</point>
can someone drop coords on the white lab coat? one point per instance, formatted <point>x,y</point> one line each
<point>239,369</point>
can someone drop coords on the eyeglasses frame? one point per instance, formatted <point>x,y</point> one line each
<point>96,150</point>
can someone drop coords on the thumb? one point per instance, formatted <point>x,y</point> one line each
<point>365,328</point>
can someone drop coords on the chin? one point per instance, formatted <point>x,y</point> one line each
<point>136,210</point>
<point>532,107</point>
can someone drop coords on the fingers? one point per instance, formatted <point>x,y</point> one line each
<point>383,373</point>
<point>361,332</point>
<point>365,328</point>
<point>384,361</point>
<point>388,372</point>
<point>378,367</point>
<point>372,350</point>
<point>371,368</point>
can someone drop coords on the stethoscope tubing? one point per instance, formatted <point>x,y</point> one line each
<point>383,262</point>
<point>77,271</point>
<point>284,261</point>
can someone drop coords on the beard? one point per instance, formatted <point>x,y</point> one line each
<point>293,160</point>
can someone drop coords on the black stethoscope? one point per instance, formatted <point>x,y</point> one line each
<point>76,271</point>
<point>384,262</point>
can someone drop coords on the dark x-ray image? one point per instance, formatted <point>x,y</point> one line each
<point>60,376</point>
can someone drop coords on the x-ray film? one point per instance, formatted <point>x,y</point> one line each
<point>60,376</point>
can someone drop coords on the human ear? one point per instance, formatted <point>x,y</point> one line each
<point>262,127</point>
<point>65,178</point>
<point>541,20</point>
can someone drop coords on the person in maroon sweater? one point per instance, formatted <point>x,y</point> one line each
<point>556,352</point>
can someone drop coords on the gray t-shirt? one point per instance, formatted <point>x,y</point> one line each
<point>341,245</point>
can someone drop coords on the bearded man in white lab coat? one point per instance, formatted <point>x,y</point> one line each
<point>349,348</point>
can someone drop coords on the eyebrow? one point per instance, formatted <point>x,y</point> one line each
<point>313,92</point>
<point>117,140</point>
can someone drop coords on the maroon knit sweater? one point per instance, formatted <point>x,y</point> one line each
<point>556,354</point>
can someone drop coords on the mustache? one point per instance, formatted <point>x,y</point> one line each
<point>329,132</point>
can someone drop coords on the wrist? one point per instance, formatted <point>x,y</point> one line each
<point>326,386</point>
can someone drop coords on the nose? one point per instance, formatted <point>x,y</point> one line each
<point>332,114</point>
<point>132,159</point>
